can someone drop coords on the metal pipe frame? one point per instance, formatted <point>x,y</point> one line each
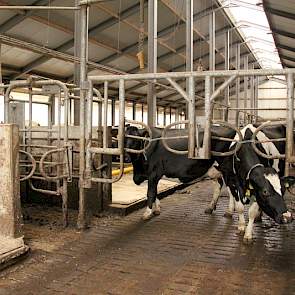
<point>27,7</point>
<point>290,124</point>
<point>238,64</point>
<point>177,75</point>
<point>82,222</point>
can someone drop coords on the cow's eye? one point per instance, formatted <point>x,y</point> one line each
<point>265,193</point>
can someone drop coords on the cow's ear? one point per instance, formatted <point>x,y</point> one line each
<point>288,181</point>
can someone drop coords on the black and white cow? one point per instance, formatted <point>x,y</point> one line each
<point>260,180</point>
<point>158,161</point>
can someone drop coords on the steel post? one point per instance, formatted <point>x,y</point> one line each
<point>113,112</point>
<point>191,119</point>
<point>290,124</point>
<point>246,60</point>
<point>134,111</point>
<point>208,114</point>
<point>252,93</point>
<point>238,53</point>
<point>212,46</point>
<point>82,223</point>
<point>152,59</point>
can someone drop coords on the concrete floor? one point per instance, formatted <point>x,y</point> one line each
<point>182,251</point>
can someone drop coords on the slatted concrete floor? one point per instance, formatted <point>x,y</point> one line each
<point>182,251</point>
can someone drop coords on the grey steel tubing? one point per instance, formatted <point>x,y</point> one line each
<point>238,145</point>
<point>253,143</point>
<point>222,87</point>
<point>290,124</point>
<point>38,130</point>
<point>47,192</point>
<point>88,133</point>
<point>145,126</point>
<point>34,165</point>
<point>105,117</point>
<point>25,101</point>
<point>164,139</point>
<point>208,116</point>
<point>42,163</point>
<point>220,73</point>
<point>121,130</point>
<point>28,7</point>
<point>81,222</point>
<point>39,146</point>
<point>191,118</point>
<point>179,89</point>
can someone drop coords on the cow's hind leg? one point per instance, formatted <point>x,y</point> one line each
<point>217,183</point>
<point>231,205</point>
<point>254,211</point>
<point>240,209</point>
<point>151,197</point>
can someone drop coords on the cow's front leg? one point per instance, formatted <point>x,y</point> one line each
<point>231,205</point>
<point>151,197</point>
<point>254,211</point>
<point>217,184</point>
<point>240,209</point>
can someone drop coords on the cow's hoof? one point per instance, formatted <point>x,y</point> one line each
<point>247,240</point>
<point>208,210</point>
<point>157,212</point>
<point>228,215</point>
<point>148,214</point>
<point>241,229</point>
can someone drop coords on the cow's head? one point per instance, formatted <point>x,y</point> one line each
<point>269,191</point>
<point>139,162</point>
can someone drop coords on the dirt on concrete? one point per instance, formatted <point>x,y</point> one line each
<point>182,251</point>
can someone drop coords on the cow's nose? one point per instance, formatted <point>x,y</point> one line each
<point>287,217</point>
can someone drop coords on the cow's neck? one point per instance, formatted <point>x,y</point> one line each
<point>138,162</point>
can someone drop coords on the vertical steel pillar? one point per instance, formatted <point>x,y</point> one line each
<point>192,119</point>
<point>226,67</point>
<point>142,112</point>
<point>246,60</point>
<point>252,94</point>
<point>170,115</point>
<point>77,49</point>
<point>238,64</point>
<point>256,86</point>
<point>177,114</point>
<point>158,114</point>
<point>212,46</point>
<point>208,114</point>
<point>152,59</point>
<point>82,223</point>
<point>290,123</point>
<point>113,112</point>
<point>189,49</point>
<point>134,110</point>
<point>164,116</point>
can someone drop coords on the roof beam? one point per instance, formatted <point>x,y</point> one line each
<point>288,58</point>
<point>286,47</point>
<point>161,33</point>
<point>19,17</point>
<point>92,32</point>
<point>281,13</point>
<point>283,33</point>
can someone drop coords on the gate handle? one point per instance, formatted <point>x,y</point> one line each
<point>33,165</point>
<point>238,145</point>
<point>146,146</point>
<point>41,165</point>
<point>268,123</point>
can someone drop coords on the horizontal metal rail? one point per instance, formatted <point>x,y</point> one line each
<point>33,165</point>
<point>27,7</point>
<point>199,74</point>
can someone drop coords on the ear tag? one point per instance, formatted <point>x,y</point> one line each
<point>250,186</point>
<point>248,193</point>
<point>287,184</point>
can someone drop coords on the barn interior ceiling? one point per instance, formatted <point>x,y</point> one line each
<point>41,42</point>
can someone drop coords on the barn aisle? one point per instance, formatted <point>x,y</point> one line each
<point>182,251</point>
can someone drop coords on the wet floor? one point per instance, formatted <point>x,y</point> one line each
<point>182,251</point>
